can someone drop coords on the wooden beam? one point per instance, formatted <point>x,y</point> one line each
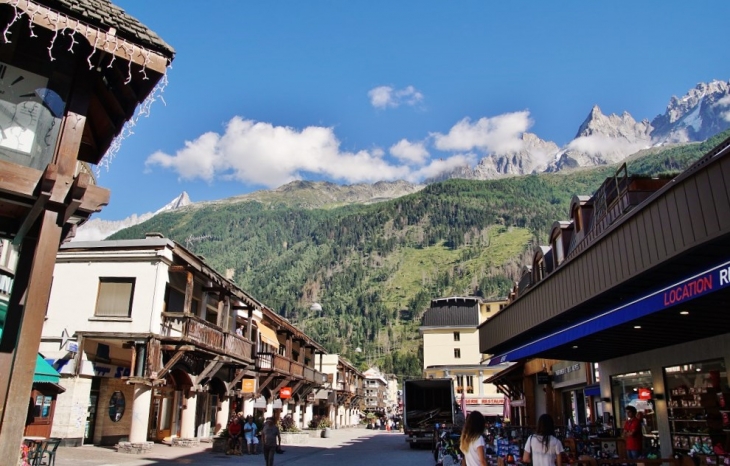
<point>240,373</point>
<point>177,268</point>
<point>76,194</point>
<point>211,367</point>
<point>189,283</point>
<point>45,187</point>
<point>173,360</point>
<point>262,386</point>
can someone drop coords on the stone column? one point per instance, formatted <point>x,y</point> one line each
<point>298,416</point>
<point>248,406</point>
<point>222,416</point>
<point>284,408</point>
<point>187,421</point>
<point>140,413</point>
<point>269,409</point>
<point>307,414</point>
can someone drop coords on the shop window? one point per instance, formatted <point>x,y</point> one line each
<point>457,336</point>
<point>457,353</point>
<point>698,405</point>
<point>115,297</point>
<point>636,389</point>
<point>116,406</point>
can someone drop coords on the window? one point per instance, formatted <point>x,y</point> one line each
<point>175,301</point>
<point>469,384</point>
<point>457,353</point>
<point>115,297</point>
<point>457,336</point>
<point>577,219</point>
<point>558,254</point>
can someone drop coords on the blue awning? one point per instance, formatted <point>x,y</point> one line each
<point>698,285</point>
<point>592,390</point>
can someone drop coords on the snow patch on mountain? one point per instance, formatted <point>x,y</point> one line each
<point>97,229</point>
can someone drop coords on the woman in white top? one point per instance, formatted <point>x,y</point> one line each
<point>543,449</point>
<point>472,443</point>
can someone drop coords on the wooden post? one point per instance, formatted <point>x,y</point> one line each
<point>42,255</point>
<point>189,283</point>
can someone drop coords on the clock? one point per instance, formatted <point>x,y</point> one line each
<point>21,108</point>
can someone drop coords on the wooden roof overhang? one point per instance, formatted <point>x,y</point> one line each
<point>103,64</point>
<point>680,230</point>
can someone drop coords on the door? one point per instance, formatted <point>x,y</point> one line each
<point>91,411</point>
<point>161,414</point>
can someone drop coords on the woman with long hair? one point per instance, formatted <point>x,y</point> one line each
<point>543,448</point>
<point>472,441</point>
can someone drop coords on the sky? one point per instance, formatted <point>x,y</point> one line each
<point>263,93</point>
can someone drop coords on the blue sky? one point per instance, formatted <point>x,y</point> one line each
<point>261,93</point>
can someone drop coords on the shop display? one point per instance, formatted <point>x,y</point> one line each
<point>699,425</point>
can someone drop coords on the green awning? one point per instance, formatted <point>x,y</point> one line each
<point>44,372</point>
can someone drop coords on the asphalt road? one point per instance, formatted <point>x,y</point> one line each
<point>348,447</point>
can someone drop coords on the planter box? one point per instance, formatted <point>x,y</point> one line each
<point>220,444</point>
<point>294,438</point>
<point>315,433</point>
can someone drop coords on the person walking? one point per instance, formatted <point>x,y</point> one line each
<point>271,438</point>
<point>632,433</point>
<point>543,448</point>
<point>472,440</point>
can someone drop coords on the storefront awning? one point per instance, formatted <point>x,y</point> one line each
<point>680,293</point>
<point>44,372</point>
<point>268,335</point>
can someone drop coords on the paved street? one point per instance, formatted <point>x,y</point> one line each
<point>351,447</point>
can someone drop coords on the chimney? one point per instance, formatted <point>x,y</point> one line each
<point>153,234</point>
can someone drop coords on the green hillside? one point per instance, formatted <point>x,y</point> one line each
<point>374,268</point>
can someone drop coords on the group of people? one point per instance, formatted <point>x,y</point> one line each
<point>542,448</point>
<point>245,431</point>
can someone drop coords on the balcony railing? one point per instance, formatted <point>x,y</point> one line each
<point>192,329</point>
<point>268,362</point>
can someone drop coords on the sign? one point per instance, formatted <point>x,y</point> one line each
<point>644,394</point>
<point>285,393</point>
<point>543,378</point>
<point>569,373</point>
<point>248,385</point>
<point>485,401</point>
<point>108,370</point>
<point>310,397</point>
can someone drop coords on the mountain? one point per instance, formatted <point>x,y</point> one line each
<point>702,112</point>
<point>375,267</point>
<point>96,229</point>
<point>605,139</point>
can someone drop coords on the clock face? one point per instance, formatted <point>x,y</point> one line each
<point>20,107</point>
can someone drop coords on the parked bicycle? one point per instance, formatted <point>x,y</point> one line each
<point>447,451</point>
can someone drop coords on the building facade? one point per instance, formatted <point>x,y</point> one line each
<point>633,297</point>
<point>451,350</point>
<point>154,345</point>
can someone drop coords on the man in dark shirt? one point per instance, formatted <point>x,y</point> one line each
<point>271,438</point>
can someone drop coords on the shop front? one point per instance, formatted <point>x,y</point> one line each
<point>569,380</point>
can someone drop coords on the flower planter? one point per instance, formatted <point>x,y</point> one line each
<point>294,438</point>
<point>220,444</point>
<point>315,433</point>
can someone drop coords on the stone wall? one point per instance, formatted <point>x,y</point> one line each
<point>108,432</point>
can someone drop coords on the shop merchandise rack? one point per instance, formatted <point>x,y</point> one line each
<point>699,422</point>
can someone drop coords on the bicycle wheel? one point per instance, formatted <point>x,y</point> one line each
<point>439,456</point>
<point>450,460</point>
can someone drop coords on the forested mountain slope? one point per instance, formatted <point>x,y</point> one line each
<point>374,268</point>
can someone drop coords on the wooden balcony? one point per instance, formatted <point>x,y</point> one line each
<point>188,328</point>
<point>272,362</point>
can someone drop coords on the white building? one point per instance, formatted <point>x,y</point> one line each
<point>153,344</point>
<point>451,349</point>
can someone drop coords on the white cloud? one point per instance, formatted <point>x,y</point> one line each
<point>438,166</point>
<point>262,154</point>
<point>409,152</point>
<point>724,102</point>
<point>599,144</point>
<point>388,96</point>
<point>500,134</point>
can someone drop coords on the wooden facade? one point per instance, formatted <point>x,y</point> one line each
<point>632,247</point>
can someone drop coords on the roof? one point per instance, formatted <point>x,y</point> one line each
<point>105,15</point>
<point>451,316</point>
